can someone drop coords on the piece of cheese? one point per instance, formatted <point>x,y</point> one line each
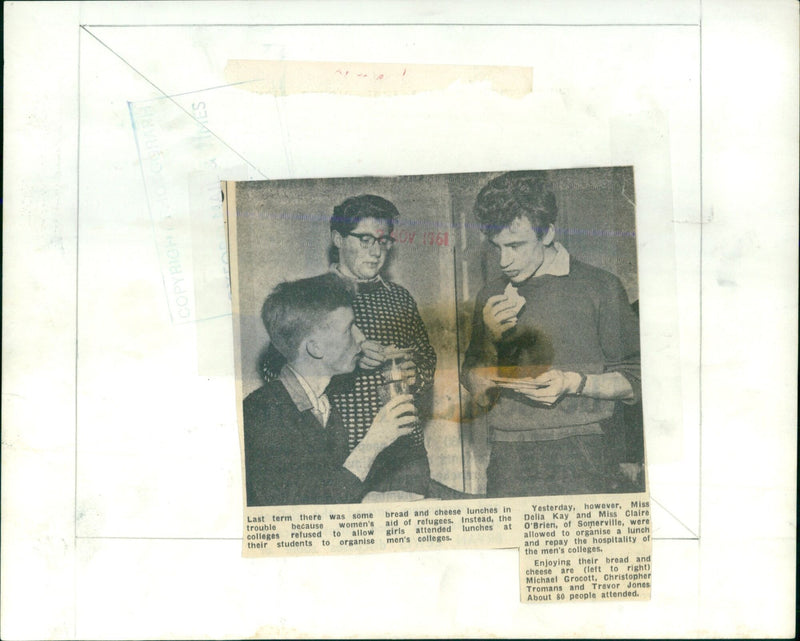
<point>514,296</point>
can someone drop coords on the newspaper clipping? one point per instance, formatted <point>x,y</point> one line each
<point>445,361</point>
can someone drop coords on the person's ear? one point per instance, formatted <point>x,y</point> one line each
<point>314,349</point>
<point>337,239</point>
<point>549,235</point>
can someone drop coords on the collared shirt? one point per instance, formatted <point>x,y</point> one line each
<point>359,461</point>
<point>303,396</point>
<point>558,265</point>
<point>336,269</point>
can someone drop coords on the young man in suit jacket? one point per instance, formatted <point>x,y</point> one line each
<point>296,450</point>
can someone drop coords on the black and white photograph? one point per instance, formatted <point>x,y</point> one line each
<point>438,337</point>
<point>344,319</point>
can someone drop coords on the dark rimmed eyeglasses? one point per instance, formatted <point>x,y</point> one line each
<point>368,240</point>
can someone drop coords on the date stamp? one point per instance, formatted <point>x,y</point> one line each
<point>430,238</point>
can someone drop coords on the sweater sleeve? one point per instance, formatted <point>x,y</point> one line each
<point>618,330</point>
<point>425,356</point>
<point>282,469</point>
<point>481,351</point>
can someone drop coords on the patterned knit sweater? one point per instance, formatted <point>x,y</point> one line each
<point>387,314</point>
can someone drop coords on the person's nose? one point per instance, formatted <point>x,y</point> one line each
<point>375,250</point>
<point>506,258</point>
<point>358,336</point>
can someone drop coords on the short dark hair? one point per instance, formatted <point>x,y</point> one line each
<point>353,210</point>
<point>515,194</point>
<point>294,308</point>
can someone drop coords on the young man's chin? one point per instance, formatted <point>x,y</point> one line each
<point>520,277</point>
<point>368,272</point>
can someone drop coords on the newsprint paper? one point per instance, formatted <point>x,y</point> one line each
<point>445,361</point>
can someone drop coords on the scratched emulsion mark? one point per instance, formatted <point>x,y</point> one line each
<point>286,77</point>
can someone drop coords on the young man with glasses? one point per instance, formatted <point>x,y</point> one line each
<point>361,233</point>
